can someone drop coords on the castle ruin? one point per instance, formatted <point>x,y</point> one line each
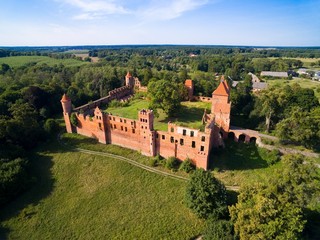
<point>140,135</point>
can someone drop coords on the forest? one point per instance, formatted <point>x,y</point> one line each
<point>30,94</point>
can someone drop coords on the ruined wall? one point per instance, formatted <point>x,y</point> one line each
<point>183,143</point>
<point>92,126</point>
<point>118,93</point>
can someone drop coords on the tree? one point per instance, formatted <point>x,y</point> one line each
<point>166,95</point>
<point>206,195</point>
<point>300,127</point>
<point>275,211</point>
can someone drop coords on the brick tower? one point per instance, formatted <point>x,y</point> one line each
<point>67,109</point>
<point>189,85</point>
<point>221,105</point>
<point>129,80</point>
<point>147,133</point>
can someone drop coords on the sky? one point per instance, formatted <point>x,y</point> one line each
<point>199,22</point>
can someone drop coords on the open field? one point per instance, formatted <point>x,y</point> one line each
<point>306,61</point>
<point>80,196</point>
<point>189,116</point>
<point>304,83</point>
<point>19,61</point>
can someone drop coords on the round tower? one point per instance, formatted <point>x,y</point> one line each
<point>66,104</point>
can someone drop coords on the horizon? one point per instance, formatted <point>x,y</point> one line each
<point>57,23</point>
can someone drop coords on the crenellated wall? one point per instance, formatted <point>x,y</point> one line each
<point>178,141</point>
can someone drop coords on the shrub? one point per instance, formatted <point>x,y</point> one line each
<point>74,119</point>
<point>218,230</point>
<point>51,126</point>
<point>271,157</point>
<point>13,178</point>
<point>114,103</point>
<point>187,166</point>
<point>172,163</point>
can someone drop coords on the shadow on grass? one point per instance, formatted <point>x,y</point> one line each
<point>236,156</point>
<point>40,186</point>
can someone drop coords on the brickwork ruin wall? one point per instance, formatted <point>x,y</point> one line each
<point>178,141</point>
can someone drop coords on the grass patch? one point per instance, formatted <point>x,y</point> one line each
<point>190,115</point>
<point>19,61</point>
<point>242,163</point>
<point>80,196</point>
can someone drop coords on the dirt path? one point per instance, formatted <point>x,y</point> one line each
<point>134,163</point>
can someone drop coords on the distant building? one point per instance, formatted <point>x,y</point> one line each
<point>303,71</point>
<point>274,74</point>
<point>258,86</point>
<point>254,77</point>
<point>317,76</point>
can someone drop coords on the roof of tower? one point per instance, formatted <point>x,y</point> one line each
<point>188,83</point>
<point>128,74</point>
<point>65,98</point>
<point>222,89</point>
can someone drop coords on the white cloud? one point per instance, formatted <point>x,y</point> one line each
<point>96,8</point>
<point>166,10</point>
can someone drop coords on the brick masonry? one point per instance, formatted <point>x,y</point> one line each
<point>177,141</point>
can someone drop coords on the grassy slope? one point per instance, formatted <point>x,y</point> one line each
<point>79,196</point>
<point>190,115</point>
<point>22,60</point>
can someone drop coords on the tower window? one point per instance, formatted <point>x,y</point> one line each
<point>202,148</point>
<point>181,141</point>
<point>203,138</point>
<point>163,137</point>
<point>192,133</point>
<point>171,139</point>
<point>193,144</point>
<point>184,132</point>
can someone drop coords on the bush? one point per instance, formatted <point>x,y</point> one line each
<point>51,126</point>
<point>74,119</point>
<point>218,230</point>
<point>155,161</point>
<point>172,163</point>
<point>271,157</point>
<point>13,178</point>
<point>187,166</point>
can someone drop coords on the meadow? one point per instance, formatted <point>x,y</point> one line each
<point>190,114</point>
<point>80,196</point>
<point>18,61</point>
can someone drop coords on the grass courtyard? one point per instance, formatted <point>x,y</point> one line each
<point>190,115</point>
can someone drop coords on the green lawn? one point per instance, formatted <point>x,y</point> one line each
<point>19,61</point>
<point>190,115</point>
<point>80,196</point>
<point>241,163</point>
